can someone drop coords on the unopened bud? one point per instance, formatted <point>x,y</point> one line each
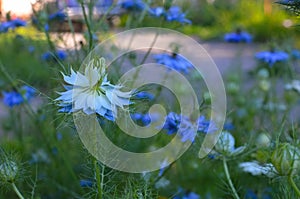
<point>286,159</point>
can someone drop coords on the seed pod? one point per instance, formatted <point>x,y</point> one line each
<point>9,171</point>
<point>286,159</point>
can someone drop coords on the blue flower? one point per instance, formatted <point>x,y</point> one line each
<point>46,27</point>
<point>31,49</point>
<point>144,119</point>
<point>59,15</point>
<point>250,195</point>
<point>86,183</point>
<point>12,24</point>
<point>238,36</point>
<point>157,12</point>
<point>91,92</point>
<point>203,125</point>
<point>175,14</point>
<point>60,54</point>
<point>187,195</point>
<point>14,98</point>
<point>174,61</point>
<point>272,57</point>
<point>18,22</point>
<point>135,5</point>
<point>295,54</point>
<point>182,124</point>
<point>144,95</point>
<point>228,127</point>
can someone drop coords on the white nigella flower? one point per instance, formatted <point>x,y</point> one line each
<point>294,85</point>
<point>91,92</point>
<point>225,145</point>
<point>256,169</point>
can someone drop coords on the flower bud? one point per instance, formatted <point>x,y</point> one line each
<point>264,85</point>
<point>8,171</point>
<point>263,140</point>
<point>263,73</point>
<point>286,159</point>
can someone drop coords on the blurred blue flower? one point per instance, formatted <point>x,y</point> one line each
<point>271,57</point>
<point>163,166</point>
<point>132,5</point>
<point>157,11</point>
<point>188,195</point>
<point>295,54</point>
<point>31,49</point>
<point>228,127</point>
<point>250,194</point>
<point>46,27</point>
<point>59,136</point>
<point>14,98</point>
<point>174,61</point>
<point>144,119</point>
<point>12,24</point>
<point>237,37</point>
<point>144,95</point>
<point>40,156</point>
<point>60,54</point>
<point>86,183</point>
<point>175,14</point>
<point>18,22</point>
<point>182,124</point>
<point>59,15</point>
<point>172,123</point>
<point>203,125</point>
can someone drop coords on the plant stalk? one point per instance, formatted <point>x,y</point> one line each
<point>15,188</point>
<point>236,196</point>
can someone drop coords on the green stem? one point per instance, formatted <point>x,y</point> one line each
<point>98,179</point>
<point>15,188</point>
<point>236,196</point>
<point>293,184</point>
<point>88,27</point>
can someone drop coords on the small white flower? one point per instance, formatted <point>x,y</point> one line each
<point>294,85</point>
<point>256,169</point>
<point>225,145</point>
<point>91,92</point>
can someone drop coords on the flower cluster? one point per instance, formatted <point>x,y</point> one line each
<point>14,98</point>
<point>174,13</point>
<point>272,57</point>
<point>91,92</point>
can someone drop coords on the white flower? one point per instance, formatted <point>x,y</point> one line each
<point>225,145</point>
<point>256,169</point>
<point>295,85</point>
<point>91,92</point>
